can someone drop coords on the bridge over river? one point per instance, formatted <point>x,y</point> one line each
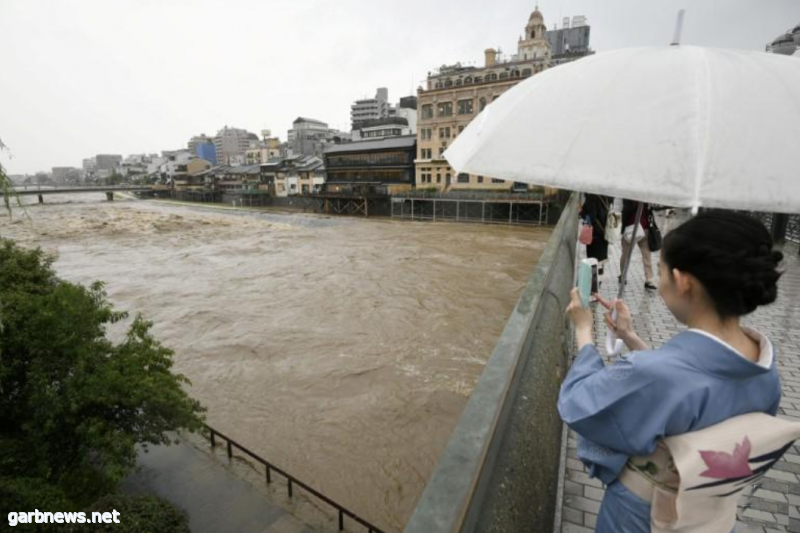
<point>108,190</point>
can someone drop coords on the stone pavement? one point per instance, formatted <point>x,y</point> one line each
<point>773,504</point>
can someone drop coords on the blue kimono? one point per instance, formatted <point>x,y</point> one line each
<point>695,380</point>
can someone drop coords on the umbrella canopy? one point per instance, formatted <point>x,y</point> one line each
<point>680,125</point>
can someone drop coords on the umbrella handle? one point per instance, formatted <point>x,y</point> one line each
<point>613,344</point>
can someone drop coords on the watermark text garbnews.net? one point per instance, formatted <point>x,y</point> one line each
<point>36,517</point>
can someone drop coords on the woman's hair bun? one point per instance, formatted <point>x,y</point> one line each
<point>732,255</point>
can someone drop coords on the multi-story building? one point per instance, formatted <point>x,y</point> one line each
<point>135,164</point>
<point>107,161</point>
<point>366,113</point>
<point>65,174</point>
<point>269,148</point>
<point>570,42</point>
<point>231,144</point>
<point>385,127</point>
<point>407,109</point>
<point>193,178</point>
<point>456,94</point>
<point>309,137</point>
<point>382,166</point>
<point>293,175</point>
<point>370,109</point>
<point>203,147</point>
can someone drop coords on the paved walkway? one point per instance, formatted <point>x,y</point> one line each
<point>774,505</point>
<point>214,498</point>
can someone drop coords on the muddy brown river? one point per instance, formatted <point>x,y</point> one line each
<point>341,349</point>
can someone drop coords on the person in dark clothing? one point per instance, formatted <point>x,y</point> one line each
<point>596,208</point>
<point>629,208</point>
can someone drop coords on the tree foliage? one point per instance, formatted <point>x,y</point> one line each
<point>70,399</point>
<point>6,188</point>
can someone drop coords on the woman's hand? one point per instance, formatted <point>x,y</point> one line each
<point>622,326</point>
<point>581,317</point>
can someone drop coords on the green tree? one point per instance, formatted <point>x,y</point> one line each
<point>6,188</point>
<point>72,401</point>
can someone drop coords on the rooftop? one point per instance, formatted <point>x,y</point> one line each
<point>388,143</point>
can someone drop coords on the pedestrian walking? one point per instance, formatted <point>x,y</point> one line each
<point>629,209</point>
<point>596,208</point>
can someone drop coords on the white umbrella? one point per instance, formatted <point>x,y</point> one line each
<point>678,125</point>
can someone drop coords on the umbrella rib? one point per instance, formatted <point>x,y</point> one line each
<point>703,112</point>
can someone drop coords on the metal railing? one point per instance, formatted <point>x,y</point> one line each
<point>469,195</point>
<point>290,480</point>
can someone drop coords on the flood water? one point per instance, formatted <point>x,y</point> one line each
<point>342,350</point>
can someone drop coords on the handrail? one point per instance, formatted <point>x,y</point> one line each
<point>290,479</point>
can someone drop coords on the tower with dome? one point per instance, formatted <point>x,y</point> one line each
<point>455,94</point>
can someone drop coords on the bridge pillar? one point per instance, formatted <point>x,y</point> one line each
<point>41,199</point>
<point>110,196</point>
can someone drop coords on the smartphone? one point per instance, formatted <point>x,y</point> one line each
<point>587,279</point>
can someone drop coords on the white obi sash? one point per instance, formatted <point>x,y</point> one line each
<point>693,481</point>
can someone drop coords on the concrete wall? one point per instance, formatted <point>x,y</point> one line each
<point>499,472</point>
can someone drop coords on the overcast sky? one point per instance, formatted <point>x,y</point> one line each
<point>82,77</point>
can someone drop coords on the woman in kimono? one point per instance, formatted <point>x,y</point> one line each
<point>714,269</point>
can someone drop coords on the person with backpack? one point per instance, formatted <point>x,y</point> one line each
<point>714,269</point>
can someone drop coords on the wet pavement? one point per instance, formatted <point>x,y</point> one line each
<point>215,498</point>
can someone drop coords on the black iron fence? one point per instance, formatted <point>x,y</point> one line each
<point>291,481</point>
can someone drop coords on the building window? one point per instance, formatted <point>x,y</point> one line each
<point>446,109</point>
<point>463,178</point>
<point>465,107</point>
<point>483,103</point>
<point>504,75</point>
<point>480,179</point>
<point>427,134</point>
<point>447,178</point>
<point>427,111</point>
<point>478,79</point>
<point>526,73</point>
<point>460,129</point>
<point>495,180</point>
<point>467,80</point>
<point>438,178</point>
<point>444,133</point>
<point>441,150</point>
<point>448,83</point>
